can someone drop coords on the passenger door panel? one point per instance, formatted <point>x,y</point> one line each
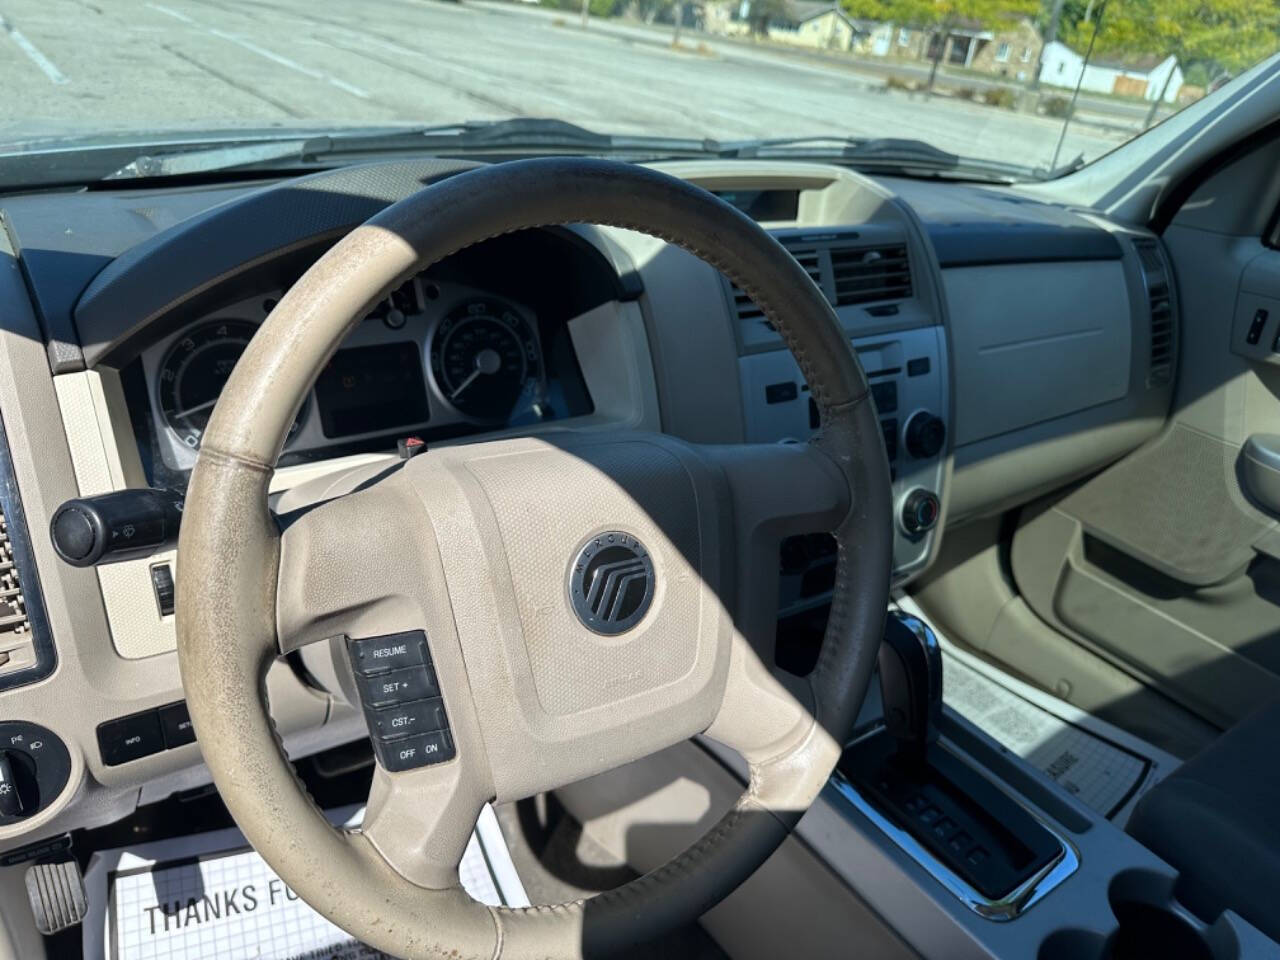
<point>1163,562</point>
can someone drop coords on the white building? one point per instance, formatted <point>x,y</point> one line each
<point>1146,77</point>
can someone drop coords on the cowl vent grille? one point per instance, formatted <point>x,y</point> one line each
<point>1155,276</point>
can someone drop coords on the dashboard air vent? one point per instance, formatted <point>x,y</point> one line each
<point>1155,277</point>
<point>865,275</point>
<point>26,648</point>
<point>809,257</point>
<point>847,272</point>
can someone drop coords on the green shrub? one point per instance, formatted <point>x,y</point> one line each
<point>1057,107</point>
<point>999,97</point>
<point>964,93</point>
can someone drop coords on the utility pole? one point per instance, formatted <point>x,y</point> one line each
<point>1050,35</point>
<point>678,12</point>
<point>585,8</point>
<point>1164,90</point>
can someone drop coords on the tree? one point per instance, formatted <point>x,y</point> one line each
<point>1216,36</point>
<point>940,17</point>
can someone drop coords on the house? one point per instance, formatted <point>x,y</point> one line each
<point>1009,49</point>
<point>1150,77</point>
<point>814,23</point>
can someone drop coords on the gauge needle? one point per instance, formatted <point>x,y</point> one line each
<point>487,361</point>
<point>196,409</point>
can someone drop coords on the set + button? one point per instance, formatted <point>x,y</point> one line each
<point>400,692</point>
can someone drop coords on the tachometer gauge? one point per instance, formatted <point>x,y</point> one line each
<point>485,359</point>
<point>193,372</point>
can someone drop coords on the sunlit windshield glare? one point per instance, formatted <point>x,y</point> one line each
<point>1028,87</point>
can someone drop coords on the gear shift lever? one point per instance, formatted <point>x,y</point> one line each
<point>910,664</point>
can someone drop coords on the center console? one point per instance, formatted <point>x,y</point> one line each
<point>908,376</point>
<point>967,851</point>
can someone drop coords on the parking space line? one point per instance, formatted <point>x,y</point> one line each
<point>33,52</point>
<point>264,52</point>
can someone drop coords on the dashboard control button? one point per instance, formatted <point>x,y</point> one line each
<point>920,509</point>
<point>783,392</point>
<point>411,752</point>
<point>175,724</point>
<point>885,395</point>
<point>890,430</point>
<point>925,435</point>
<point>394,652</point>
<point>422,716</point>
<point>400,686</point>
<point>1255,327</point>
<point>917,366</point>
<point>130,738</point>
<point>162,583</point>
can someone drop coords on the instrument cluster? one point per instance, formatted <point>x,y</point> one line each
<point>433,359</point>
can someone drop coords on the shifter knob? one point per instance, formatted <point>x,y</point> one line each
<point>910,662</point>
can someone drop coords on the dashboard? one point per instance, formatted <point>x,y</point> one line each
<point>973,309</point>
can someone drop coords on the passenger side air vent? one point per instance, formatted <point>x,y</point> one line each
<point>1155,278</point>
<point>846,268</point>
<point>865,275</point>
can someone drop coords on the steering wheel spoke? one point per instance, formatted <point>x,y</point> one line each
<point>421,820</point>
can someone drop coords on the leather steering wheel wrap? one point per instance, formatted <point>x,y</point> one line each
<point>473,543</point>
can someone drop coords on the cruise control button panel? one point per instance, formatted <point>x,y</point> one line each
<point>400,694</point>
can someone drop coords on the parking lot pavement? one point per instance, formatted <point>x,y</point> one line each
<point>78,66</point>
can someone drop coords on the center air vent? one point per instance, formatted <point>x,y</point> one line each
<point>1155,277</point>
<point>808,256</point>
<point>846,270</point>
<point>865,275</point>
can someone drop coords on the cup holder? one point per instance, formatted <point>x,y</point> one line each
<point>1149,922</point>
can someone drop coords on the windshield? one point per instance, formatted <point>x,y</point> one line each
<point>1019,88</point>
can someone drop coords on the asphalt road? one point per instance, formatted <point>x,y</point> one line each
<point>85,66</point>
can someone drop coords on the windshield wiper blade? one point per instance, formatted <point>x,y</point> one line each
<point>523,135</point>
<point>881,153</point>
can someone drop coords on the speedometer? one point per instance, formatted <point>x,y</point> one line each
<point>194,371</point>
<point>485,357</point>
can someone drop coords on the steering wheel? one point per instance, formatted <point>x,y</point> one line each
<point>501,553</point>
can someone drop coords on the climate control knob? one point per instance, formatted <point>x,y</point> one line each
<point>925,435</point>
<point>920,509</point>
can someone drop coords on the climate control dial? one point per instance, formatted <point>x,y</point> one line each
<point>919,513</point>
<point>925,435</point>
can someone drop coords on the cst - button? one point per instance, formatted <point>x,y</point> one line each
<point>411,718</point>
<point>395,652</point>
<point>414,752</point>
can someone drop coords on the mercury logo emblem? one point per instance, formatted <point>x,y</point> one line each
<point>611,582</point>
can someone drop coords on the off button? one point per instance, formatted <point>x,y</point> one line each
<point>394,652</point>
<point>414,752</point>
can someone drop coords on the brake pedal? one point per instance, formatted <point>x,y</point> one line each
<point>56,892</point>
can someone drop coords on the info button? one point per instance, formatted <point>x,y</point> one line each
<point>394,652</point>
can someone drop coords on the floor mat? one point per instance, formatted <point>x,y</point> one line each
<point>1099,764</point>
<point>209,896</point>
